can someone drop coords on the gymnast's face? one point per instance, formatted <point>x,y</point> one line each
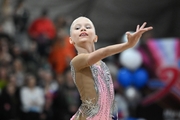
<point>82,31</point>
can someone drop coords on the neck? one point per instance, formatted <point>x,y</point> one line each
<point>85,49</point>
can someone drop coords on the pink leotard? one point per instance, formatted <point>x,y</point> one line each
<point>96,84</point>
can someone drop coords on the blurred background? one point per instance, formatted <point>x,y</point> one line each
<point>35,76</point>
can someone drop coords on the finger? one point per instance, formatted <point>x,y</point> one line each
<point>137,28</point>
<point>141,31</point>
<point>149,28</point>
<point>143,25</point>
<point>145,29</point>
<point>128,33</point>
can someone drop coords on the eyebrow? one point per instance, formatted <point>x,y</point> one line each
<point>80,24</point>
<point>76,25</point>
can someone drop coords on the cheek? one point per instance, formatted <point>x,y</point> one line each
<point>74,36</point>
<point>92,34</point>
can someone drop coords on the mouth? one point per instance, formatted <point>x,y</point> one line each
<point>83,34</point>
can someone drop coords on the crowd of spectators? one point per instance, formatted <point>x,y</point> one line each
<point>35,79</point>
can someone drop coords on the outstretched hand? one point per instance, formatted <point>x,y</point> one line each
<point>133,38</point>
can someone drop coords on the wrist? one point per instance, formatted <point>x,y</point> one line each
<point>128,45</point>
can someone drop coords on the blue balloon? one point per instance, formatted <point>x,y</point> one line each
<point>124,77</point>
<point>140,78</point>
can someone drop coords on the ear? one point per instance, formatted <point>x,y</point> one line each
<point>70,40</point>
<point>96,38</point>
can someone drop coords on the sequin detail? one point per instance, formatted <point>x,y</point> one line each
<point>103,109</point>
<point>72,72</point>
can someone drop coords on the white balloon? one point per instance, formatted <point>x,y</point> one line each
<point>124,39</point>
<point>132,95</point>
<point>131,59</point>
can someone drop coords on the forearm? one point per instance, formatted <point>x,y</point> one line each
<point>107,51</point>
<point>114,49</point>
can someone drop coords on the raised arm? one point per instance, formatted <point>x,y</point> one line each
<point>133,38</point>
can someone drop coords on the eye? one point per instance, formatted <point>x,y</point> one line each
<point>77,28</point>
<point>88,27</point>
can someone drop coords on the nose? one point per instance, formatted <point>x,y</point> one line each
<point>83,29</point>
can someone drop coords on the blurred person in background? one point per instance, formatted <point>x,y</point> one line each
<point>19,71</point>
<point>3,34</point>
<point>10,100</point>
<point>32,98</point>
<point>20,21</point>
<point>5,43</point>
<point>122,104</point>
<point>5,56</point>
<point>47,81</point>
<point>42,30</point>
<point>60,104</point>
<point>20,17</point>
<point>3,77</point>
<point>16,51</point>
<point>6,11</point>
<point>72,94</point>
<point>60,23</point>
<point>61,50</point>
<point>32,58</point>
<point>49,84</point>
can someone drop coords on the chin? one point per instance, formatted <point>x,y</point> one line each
<point>84,40</point>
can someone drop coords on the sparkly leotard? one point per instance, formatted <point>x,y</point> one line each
<point>95,86</point>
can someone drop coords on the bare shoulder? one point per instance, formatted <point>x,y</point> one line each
<point>80,61</point>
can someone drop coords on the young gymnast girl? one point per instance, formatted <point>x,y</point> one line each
<point>90,74</point>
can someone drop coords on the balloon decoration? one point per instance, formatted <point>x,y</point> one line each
<point>140,78</point>
<point>130,93</point>
<point>131,59</point>
<point>133,95</point>
<point>136,78</point>
<point>124,77</point>
<point>131,75</point>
